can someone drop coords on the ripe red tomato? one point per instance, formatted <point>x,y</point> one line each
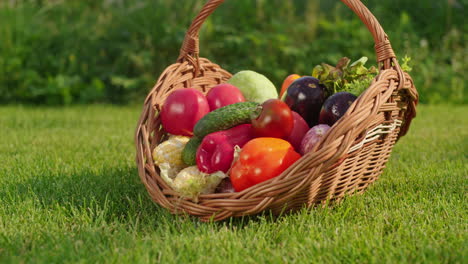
<point>182,110</point>
<point>275,120</point>
<point>261,159</point>
<point>290,79</point>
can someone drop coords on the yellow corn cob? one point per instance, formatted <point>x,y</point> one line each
<point>170,151</point>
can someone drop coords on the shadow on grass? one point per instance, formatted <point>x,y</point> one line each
<point>116,194</point>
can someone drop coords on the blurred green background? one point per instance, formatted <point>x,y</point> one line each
<point>57,52</point>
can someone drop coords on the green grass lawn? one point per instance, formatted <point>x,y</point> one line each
<point>70,192</point>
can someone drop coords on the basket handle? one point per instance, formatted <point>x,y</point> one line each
<point>383,48</point>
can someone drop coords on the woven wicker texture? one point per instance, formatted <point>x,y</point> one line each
<point>350,157</point>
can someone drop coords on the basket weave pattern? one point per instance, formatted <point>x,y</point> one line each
<point>351,156</point>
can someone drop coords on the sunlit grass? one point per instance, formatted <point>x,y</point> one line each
<point>70,192</point>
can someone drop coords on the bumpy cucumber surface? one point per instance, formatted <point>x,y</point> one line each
<point>189,154</point>
<point>225,117</point>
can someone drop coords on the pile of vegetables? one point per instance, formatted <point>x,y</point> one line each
<point>242,133</point>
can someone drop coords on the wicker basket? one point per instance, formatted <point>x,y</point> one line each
<point>350,157</point>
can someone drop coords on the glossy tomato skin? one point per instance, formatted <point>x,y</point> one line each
<point>222,95</point>
<point>275,120</point>
<point>287,82</point>
<point>261,159</point>
<point>182,110</point>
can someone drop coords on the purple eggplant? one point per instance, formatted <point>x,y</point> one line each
<point>335,107</point>
<point>306,96</point>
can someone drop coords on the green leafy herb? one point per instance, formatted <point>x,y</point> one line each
<point>345,77</point>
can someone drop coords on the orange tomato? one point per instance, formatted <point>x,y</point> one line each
<point>290,79</point>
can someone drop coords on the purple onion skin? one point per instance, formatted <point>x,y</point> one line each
<point>335,107</point>
<point>312,137</point>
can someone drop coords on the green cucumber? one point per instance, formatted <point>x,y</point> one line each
<point>189,153</point>
<point>220,119</point>
<point>225,117</point>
